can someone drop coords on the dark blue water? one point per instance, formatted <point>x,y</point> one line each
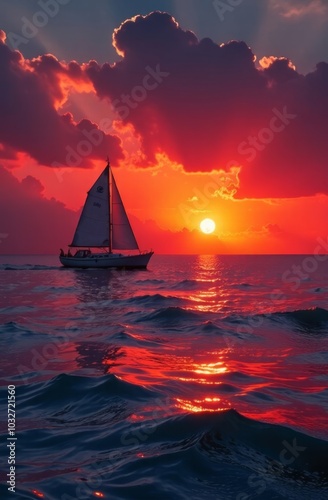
<point>203,377</point>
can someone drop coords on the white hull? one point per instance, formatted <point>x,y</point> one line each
<point>107,260</point>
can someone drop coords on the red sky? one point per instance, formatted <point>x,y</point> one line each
<point>194,129</point>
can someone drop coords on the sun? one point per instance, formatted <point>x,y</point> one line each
<point>207,226</point>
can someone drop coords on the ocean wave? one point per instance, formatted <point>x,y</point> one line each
<point>106,410</point>
<point>241,286</point>
<point>170,315</point>
<point>318,290</point>
<point>166,456</point>
<point>314,319</point>
<point>187,285</point>
<point>16,309</point>
<point>28,267</point>
<point>155,300</point>
<point>52,288</point>
<point>209,446</point>
<point>150,282</point>
<point>74,387</point>
<point>210,327</point>
<point>14,327</point>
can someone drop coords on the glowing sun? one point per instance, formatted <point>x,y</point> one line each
<point>207,226</point>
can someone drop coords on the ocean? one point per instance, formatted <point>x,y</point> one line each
<point>202,377</point>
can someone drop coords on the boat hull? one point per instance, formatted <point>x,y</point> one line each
<point>107,260</point>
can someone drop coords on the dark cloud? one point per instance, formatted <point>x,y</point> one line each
<point>294,162</point>
<point>157,32</point>
<point>29,93</point>
<point>32,185</point>
<point>7,153</point>
<point>206,106</point>
<point>214,106</point>
<point>26,217</point>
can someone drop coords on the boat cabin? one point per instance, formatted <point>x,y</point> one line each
<point>82,253</point>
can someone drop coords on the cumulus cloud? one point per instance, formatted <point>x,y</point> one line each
<point>205,106</point>
<point>30,92</point>
<point>214,107</point>
<point>189,111</point>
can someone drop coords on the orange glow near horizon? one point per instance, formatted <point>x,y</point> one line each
<point>169,201</point>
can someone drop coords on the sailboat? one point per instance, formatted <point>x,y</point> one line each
<point>104,225</point>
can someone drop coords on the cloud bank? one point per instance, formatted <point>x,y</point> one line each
<point>205,106</point>
<point>30,92</point>
<point>26,217</point>
<point>218,107</point>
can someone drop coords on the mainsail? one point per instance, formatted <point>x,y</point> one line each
<point>103,221</point>
<point>122,233</point>
<point>93,227</point>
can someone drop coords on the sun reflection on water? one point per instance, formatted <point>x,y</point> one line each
<point>211,368</point>
<point>38,493</point>
<point>213,404</point>
<point>202,373</point>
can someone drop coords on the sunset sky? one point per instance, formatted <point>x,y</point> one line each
<point>206,109</point>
